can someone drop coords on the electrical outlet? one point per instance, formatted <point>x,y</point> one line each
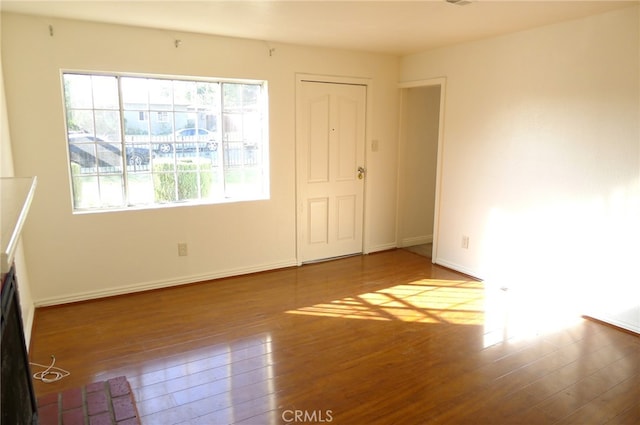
<point>182,249</point>
<point>465,242</point>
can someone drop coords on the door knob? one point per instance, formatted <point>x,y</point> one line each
<point>361,172</point>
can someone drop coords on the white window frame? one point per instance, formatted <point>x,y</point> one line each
<point>262,168</point>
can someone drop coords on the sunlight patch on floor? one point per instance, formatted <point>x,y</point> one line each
<point>422,301</point>
<point>517,314</point>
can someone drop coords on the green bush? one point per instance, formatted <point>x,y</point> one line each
<point>187,171</point>
<point>77,184</point>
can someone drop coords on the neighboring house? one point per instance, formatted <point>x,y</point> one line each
<point>139,119</point>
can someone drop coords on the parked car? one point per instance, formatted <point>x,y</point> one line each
<point>89,151</point>
<point>203,141</point>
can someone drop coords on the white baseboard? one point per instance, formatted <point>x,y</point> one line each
<point>615,321</point>
<point>158,284</point>
<point>457,267</point>
<point>381,247</point>
<point>416,240</point>
<point>165,283</point>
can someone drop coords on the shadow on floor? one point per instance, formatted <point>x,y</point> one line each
<point>425,249</point>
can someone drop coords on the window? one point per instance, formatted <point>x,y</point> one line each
<point>147,141</point>
<point>163,116</point>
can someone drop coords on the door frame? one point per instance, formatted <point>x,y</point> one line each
<point>442,82</point>
<point>333,79</point>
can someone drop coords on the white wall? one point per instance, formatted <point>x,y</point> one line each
<point>6,170</point>
<point>541,163</point>
<point>80,256</point>
<point>419,119</point>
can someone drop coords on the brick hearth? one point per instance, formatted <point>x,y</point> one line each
<point>101,403</point>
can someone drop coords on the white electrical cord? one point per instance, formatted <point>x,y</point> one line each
<point>50,373</point>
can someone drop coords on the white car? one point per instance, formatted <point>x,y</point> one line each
<point>203,141</point>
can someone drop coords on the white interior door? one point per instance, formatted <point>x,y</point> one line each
<point>330,139</point>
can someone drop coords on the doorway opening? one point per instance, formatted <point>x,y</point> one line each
<point>419,165</point>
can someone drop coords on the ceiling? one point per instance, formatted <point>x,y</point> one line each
<point>392,27</point>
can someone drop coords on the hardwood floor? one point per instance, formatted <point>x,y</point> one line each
<point>386,338</point>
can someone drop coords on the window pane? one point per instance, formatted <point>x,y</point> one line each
<point>250,97</point>
<point>185,120</point>
<point>140,189</point>
<point>164,148</point>
<point>242,182</point>
<point>160,95</point>
<point>135,93</point>
<point>210,188</point>
<point>80,120</point>
<point>109,157</point>
<point>86,192</point>
<point>105,92</point>
<point>251,155</point>
<point>207,175</point>
<point>164,185</point>
<point>77,90</point>
<point>136,126</point>
<point>111,191</point>
<point>138,157</point>
<point>208,96</point>
<point>108,125</point>
<point>161,123</point>
<point>232,97</point>
<point>172,141</point>
<point>184,94</point>
<point>235,154</point>
<point>188,185</point>
<point>252,128</point>
<point>232,127</point>
<point>84,155</point>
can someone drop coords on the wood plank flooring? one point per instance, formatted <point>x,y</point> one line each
<point>386,338</point>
